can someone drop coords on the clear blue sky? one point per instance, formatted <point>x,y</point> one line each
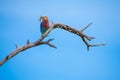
<point>70,61</point>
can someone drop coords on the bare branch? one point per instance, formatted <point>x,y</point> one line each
<point>79,33</point>
<point>72,30</point>
<point>28,45</point>
<point>40,40</point>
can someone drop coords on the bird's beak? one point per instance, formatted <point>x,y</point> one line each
<point>40,19</point>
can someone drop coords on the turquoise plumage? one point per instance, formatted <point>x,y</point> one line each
<point>44,24</point>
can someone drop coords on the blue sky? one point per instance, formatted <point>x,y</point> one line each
<point>70,61</point>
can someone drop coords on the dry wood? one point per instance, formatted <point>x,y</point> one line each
<point>40,41</point>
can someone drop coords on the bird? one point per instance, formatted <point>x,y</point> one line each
<point>44,25</point>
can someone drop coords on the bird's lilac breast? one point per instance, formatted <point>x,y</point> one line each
<point>45,24</point>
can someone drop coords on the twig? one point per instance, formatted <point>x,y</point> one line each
<point>28,42</point>
<point>48,43</point>
<point>86,27</point>
<point>16,46</point>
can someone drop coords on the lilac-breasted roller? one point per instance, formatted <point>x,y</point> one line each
<point>44,24</point>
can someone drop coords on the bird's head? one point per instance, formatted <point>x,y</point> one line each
<point>43,18</point>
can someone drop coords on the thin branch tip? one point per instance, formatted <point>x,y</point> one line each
<point>16,46</point>
<point>50,40</point>
<point>28,42</point>
<point>51,45</point>
<point>86,27</point>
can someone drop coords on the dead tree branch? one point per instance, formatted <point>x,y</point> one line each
<point>28,45</point>
<point>40,40</point>
<point>79,33</point>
